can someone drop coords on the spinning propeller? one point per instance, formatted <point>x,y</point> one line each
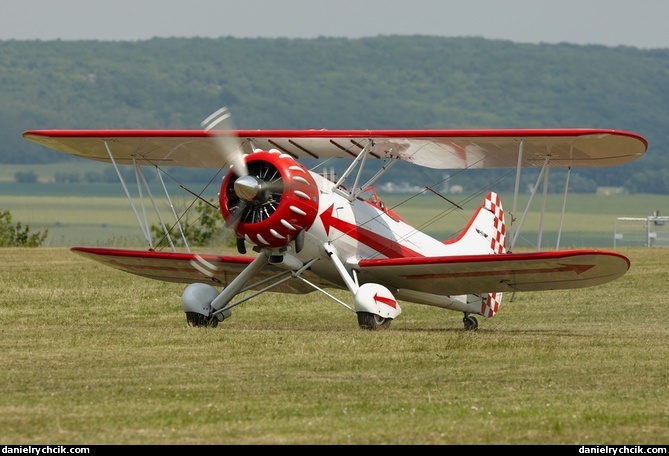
<point>253,193</point>
<point>229,145</point>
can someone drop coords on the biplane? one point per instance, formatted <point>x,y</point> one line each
<point>312,231</point>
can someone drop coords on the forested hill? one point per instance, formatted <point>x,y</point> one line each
<point>385,82</point>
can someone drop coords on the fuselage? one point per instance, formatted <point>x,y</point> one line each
<point>360,229</point>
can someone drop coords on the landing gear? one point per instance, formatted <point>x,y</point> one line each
<point>200,321</point>
<point>471,323</point>
<point>372,321</point>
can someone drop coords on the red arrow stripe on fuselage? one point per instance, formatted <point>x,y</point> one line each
<point>577,268</point>
<point>388,247</point>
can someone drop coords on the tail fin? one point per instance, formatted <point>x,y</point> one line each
<point>490,304</point>
<point>484,234</point>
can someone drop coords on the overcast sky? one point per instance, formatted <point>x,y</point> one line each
<point>638,23</point>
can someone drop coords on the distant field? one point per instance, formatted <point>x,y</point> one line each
<point>46,172</point>
<point>82,214</point>
<point>100,214</point>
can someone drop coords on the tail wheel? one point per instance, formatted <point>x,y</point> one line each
<point>372,321</point>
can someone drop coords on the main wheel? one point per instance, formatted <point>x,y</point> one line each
<point>470,322</point>
<point>372,321</point>
<point>198,320</point>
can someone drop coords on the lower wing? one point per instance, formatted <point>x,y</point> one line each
<point>217,270</point>
<point>474,274</point>
<point>452,275</point>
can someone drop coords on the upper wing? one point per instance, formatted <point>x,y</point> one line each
<point>474,274</point>
<point>188,267</point>
<point>447,149</point>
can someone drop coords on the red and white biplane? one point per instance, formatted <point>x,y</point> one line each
<point>313,232</point>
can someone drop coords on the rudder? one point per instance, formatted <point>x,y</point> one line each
<point>484,234</point>
<point>490,304</point>
<point>486,231</point>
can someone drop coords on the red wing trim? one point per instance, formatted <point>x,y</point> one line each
<point>456,259</point>
<point>339,134</point>
<point>442,149</point>
<point>178,267</point>
<point>167,266</point>
<point>152,254</point>
<point>480,274</point>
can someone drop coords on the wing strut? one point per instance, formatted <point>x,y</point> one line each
<point>141,181</point>
<point>360,163</point>
<point>140,174</point>
<point>564,205</point>
<point>174,213</point>
<point>142,226</point>
<point>543,205</point>
<point>529,202</point>
<point>519,166</point>
<point>543,175</point>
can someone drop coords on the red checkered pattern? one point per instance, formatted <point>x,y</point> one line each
<point>493,203</point>
<point>490,304</point>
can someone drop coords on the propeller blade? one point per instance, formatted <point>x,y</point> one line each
<point>241,247</point>
<point>229,144</point>
<point>234,218</point>
<point>204,266</point>
<point>275,186</point>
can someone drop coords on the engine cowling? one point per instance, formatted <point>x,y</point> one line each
<point>273,203</point>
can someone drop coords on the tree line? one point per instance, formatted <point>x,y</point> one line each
<point>385,82</point>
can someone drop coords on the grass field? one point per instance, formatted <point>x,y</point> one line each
<point>91,355</point>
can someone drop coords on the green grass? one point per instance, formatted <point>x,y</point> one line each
<point>91,355</point>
